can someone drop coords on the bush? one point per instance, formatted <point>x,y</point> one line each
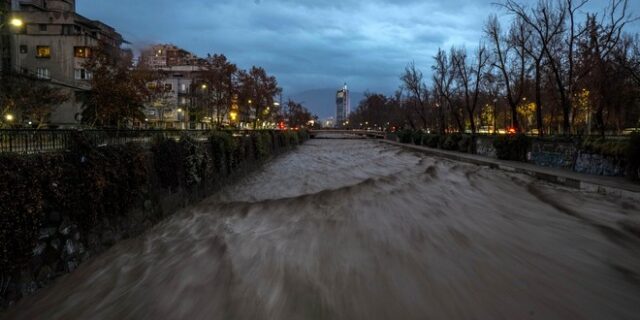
<point>466,144</point>
<point>195,160</point>
<point>513,148</point>
<point>86,183</point>
<point>405,136</point>
<point>303,135</point>
<point>451,142</point>
<point>417,137</point>
<point>293,138</point>
<point>21,208</point>
<point>633,157</point>
<point>612,148</point>
<point>431,140</point>
<point>167,159</point>
<point>261,144</point>
<point>221,144</point>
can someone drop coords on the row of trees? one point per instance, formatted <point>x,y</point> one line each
<point>555,69</point>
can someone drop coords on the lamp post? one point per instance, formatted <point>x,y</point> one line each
<point>495,115</point>
<point>181,117</point>
<point>16,22</point>
<point>440,121</point>
<point>203,107</point>
<point>9,119</point>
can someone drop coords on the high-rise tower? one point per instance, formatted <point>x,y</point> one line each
<point>343,104</point>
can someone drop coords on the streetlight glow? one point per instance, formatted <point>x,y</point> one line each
<point>16,22</point>
<point>180,110</point>
<point>9,117</point>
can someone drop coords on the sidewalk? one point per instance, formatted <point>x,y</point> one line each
<point>617,186</point>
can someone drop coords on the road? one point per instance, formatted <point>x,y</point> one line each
<point>353,229</point>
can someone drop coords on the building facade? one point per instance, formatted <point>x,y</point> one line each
<point>52,42</point>
<point>343,106</point>
<point>167,55</point>
<point>186,102</point>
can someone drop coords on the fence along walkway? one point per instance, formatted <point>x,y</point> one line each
<point>30,141</point>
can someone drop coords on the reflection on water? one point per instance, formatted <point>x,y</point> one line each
<point>343,229</point>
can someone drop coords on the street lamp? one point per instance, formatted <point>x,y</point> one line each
<point>495,115</point>
<point>16,22</point>
<point>9,117</point>
<point>181,117</point>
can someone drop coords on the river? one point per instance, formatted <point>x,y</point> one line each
<point>357,229</point>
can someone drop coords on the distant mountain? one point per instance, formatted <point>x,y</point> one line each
<point>322,102</point>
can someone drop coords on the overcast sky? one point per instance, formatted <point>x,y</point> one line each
<point>306,44</point>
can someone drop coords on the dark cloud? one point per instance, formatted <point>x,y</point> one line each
<point>307,44</point>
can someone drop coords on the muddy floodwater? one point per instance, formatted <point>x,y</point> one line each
<point>357,229</point>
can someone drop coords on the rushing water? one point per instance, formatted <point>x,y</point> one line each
<point>346,229</point>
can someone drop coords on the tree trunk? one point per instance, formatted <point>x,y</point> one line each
<point>471,121</point>
<point>514,116</point>
<point>539,121</point>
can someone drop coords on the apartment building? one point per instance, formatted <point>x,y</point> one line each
<point>49,40</point>
<point>186,101</point>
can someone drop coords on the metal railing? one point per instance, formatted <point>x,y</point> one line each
<point>30,141</point>
<point>368,133</point>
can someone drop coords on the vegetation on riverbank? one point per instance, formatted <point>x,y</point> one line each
<point>625,151</point>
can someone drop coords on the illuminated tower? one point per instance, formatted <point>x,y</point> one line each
<point>342,106</point>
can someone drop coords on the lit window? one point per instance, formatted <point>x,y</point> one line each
<point>43,52</point>
<point>43,73</point>
<point>81,52</point>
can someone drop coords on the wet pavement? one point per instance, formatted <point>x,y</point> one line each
<point>353,229</point>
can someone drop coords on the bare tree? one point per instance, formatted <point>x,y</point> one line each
<point>470,78</point>
<point>604,37</point>
<point>510,59</point>
<point>413,83</point>
<point>443,77</point>
<point>628,57</point>
<point>547,24</point>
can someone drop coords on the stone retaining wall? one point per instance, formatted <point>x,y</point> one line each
<point>564,154</point>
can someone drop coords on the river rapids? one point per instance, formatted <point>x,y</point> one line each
<point>357,229</point>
